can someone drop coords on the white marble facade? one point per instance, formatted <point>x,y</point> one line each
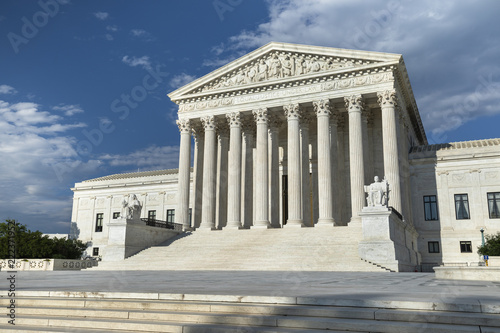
<point>288,136</point>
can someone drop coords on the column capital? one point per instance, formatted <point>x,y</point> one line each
<point>354,103</point>
<point>387,98</point>
<point>197,131</point>
<point>248,125</point>
<point>292,111</point>
<point>223,128</point>
<point>260,115</point>
<point>322,107</point>
<point>184,125</point>
<point>234,119</point>
<point>208,123</point>
<point>274,122</point>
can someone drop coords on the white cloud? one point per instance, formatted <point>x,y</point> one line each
<point>112,28</point>
<point>181,79</point>
<point>138,32</point>
<point>108,36</point>
<point>69,110</point>
<point>135,61</point>
<point>101,15</point>
<point>5,89</point>
<point>445,50</point>
<point>150,158</point>
<point>35,146</point>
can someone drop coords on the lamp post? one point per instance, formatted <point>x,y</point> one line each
<point>482,236</point>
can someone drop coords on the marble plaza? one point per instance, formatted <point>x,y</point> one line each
<point>299,137</point>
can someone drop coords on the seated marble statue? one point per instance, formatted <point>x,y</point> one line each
<point>377,193</point>
<point>132,210</point>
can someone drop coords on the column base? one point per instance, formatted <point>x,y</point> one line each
<point>206,226</point>
<point>328,222</point>
<point>294,224</point>
<point>261,224</point>
<point>233,227</point>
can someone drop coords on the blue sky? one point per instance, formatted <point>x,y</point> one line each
<point>83,84</point>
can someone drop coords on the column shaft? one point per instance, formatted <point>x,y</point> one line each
<point>234,180</point>
<point>262,168</point>
<point>354,105</point>
<point>222,169</point>
<point>294,175</point>
<point>305,171</point>
<point>274,183</point>
<point>387,101</point>
<point>199,147</point>
<point>325,198</point>
<point>209,173</point>
<point>184,174</point>
<point>247,175</point>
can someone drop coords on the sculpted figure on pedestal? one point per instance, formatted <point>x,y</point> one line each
<point>132,210</point>
<point>377,193</point>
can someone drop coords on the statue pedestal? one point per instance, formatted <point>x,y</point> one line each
<point>129,236</point>
<point>387,240</point>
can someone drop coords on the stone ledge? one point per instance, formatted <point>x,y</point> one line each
<point>472,306</point>
<point>468,273</point>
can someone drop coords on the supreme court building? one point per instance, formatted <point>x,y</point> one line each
<point>288,136</point>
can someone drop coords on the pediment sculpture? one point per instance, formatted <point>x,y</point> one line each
<point>277,65</point>
<point>377,193</point>
<point>131,210</point>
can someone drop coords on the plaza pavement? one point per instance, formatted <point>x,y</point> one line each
<point>327,286</point>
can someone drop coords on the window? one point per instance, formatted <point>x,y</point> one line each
<point>494,205</point>
<point>466,247</point>
<point>95,251</point>
<point>433,247</point>
<point>98,222</point>
<point>462,207</point>
<point>152,215</point>
<point>170,215</point>
<point>430,208</point>
<point>190,214</point>
<point>116,215</point>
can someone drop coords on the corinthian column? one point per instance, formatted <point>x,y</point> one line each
<point>261,180</point>
<point>325,198</point>
<point>234,180</point>
<point>208,205</point>
<point>294,176</point>
<point>247,188</point>
<point>184,174</point>
<point>305,120</point>
<point>388,102</point>
<point>354,105</point>
<point>199,146</point>
<point>222,166</point>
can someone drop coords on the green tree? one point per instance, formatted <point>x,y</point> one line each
<point>491,246</point>
<point>34,245</point>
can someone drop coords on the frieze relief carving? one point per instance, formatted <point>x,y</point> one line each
<point>285,90</point>
<point>491,175</point>
<point>278,65</point>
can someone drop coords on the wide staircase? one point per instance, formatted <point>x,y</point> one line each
<point>301,249</point>
<point>88,313</point>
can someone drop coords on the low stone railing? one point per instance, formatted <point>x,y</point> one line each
<point>46,264</point>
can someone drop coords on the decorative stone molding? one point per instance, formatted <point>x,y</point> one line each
<point>354,103</point>
<point>184,125</point>
<point>209,123</point>
<point>292,111</point>
<point>387,98</point>
<point>260,115</point>
<point>234,119</point>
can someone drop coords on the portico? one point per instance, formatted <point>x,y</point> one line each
<point>288,135</point>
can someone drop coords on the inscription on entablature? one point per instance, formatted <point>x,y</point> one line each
<point>336,84</point>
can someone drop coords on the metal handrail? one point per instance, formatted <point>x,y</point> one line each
<point>162,224</point>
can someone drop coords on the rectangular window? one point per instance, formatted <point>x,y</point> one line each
<point>430,208</point>
<point>98,222</point>
<point>152,215</point>
<point>116,215</point>
<point>171,215</point>
<point>494,205</point>
<point>462,207</point>
<point>95,251</point>
<point>433,247</point>
<point>466,247</point>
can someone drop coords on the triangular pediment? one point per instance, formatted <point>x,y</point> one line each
<point>278,62</point>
